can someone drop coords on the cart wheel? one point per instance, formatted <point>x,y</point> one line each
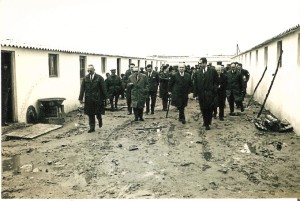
<point>31,115</point>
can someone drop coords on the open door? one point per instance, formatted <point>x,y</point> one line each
<point>7,88</point>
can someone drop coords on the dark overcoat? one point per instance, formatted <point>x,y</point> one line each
<point>180,86</point>
<point>234,85</point>
<point>206,85</point>
<point>221,89</point>
<point>139,89</point>
<point>94,93</point>
<point>113,85</point>
<point>163,85</point>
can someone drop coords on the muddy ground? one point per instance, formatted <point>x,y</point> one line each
<point>157,158</point>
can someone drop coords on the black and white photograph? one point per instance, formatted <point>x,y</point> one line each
<point>150,99</point>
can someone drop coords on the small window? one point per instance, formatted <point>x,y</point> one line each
<point>129,62</point>
<point>139,63</point>
<point>266,56</point>
<point>250,58</point>
<point>82,63</point>
<point>299,49</point>
<point>103,64</point>
<point>279,49</point>
<point>219,62</point>
<point>53,65</point>
<point>256,58</point>
<point>145,63</point>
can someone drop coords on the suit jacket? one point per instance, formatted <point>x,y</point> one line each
<point>206,85</point>
<point>180,86</point>
<point>235,85</point>
<point>153,81</point>
<point>94,93</point>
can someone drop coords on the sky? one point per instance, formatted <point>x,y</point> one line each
<point>148,27</point>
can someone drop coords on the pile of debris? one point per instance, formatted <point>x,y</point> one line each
<point>270,123</point>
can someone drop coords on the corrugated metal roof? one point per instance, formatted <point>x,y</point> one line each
<point>287,32</point>
<point>18,44</point>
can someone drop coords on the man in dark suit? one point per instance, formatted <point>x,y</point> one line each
<point>206,83</point>
<point>180,86</point>
<point>153,79</point>
<point>94,92</point>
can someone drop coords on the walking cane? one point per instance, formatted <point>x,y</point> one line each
<point>168,108</point>
<point>278,64</point>
<point>257,86</point>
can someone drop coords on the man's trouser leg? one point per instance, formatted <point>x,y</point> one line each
<point>231,103</point>
<point>92,121</point>
<point>153,101</point>
<point>147,104</point>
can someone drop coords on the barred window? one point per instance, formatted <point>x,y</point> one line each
<point>53,65</point>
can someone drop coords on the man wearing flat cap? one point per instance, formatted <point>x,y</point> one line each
<point>114,86</point>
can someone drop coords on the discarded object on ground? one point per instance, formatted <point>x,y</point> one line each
<point>270,123</point>
<point>133,147</point>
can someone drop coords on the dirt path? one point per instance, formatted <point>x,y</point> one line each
<point>157,158</point>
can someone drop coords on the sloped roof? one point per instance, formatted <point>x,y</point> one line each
<point>287,32</point>
<point>18,44</point>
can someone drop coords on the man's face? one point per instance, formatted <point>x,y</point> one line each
<point>181,68</point>
<point>91,70</point>
<point>131,67</point>
<point>233,67</point>
<point>113,72</point>
<point>149,69</point>
<point>202,64</point>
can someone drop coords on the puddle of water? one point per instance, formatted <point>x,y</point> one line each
<point>12,164</point>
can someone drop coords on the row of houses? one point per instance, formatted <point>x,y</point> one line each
<point>284,97</point>
<point>38,72</point>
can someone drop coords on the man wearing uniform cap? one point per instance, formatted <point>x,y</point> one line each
<point>114,86</point>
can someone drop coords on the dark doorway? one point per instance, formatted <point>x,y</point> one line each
<point>118,66</point>
<point>6,87</point>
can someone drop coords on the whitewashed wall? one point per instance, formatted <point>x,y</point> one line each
<point>284,97</point>
<point>32,81</point>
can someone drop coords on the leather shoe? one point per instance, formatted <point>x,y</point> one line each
<point>135,119</point>
<point>183,121</point>
<point>91,130</point>
<point>221,119</point>
<point>152,112</point>
<point>100,123</point>
<point>141,119</point>
<point>207,128</point>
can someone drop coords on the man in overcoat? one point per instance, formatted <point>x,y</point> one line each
<point>164,77</point>
<point>206,84</point>
<point>221,93</point>
<point>234,88</point>
<point>138,84</point>
<point>113,86</point>
<point>94,92</point>
<point>180,86</point>
<point>153,79</point>
<point>128,89</point>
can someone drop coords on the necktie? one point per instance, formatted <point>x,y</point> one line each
<point>91,77</point>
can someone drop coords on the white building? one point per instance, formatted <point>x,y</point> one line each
<point>284,97</point>
<point>41,72</point>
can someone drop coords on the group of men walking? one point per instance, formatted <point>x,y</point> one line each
<point>211,85</point>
